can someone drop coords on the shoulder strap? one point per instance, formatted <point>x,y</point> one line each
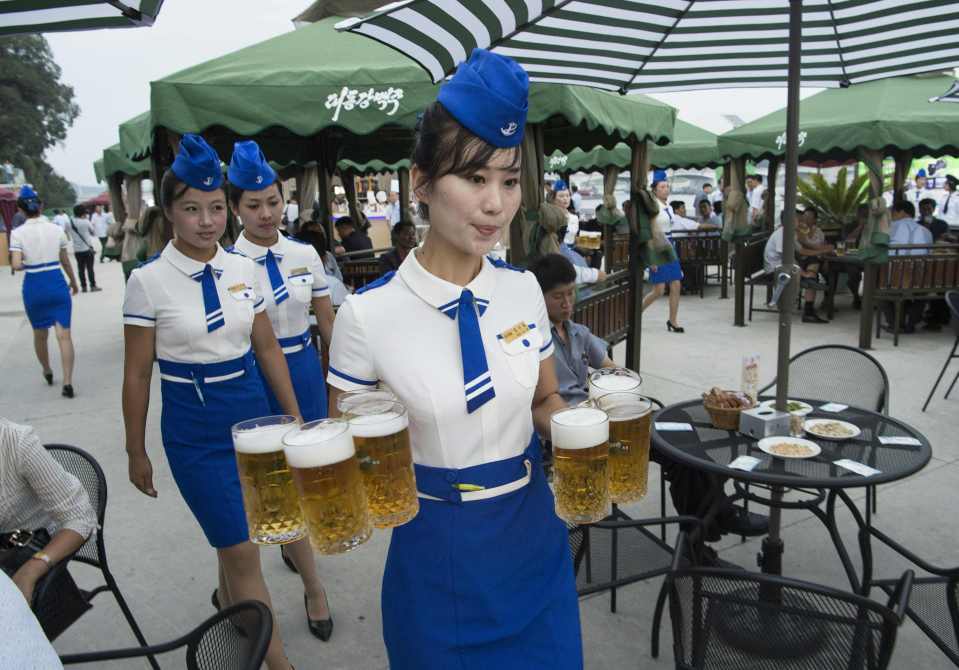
<point>79,234</point>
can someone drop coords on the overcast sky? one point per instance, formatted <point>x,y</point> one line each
<point>111,70</point>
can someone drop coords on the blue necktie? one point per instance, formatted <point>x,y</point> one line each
<point>211,301</point>
<point>277,284</point>
<point>476,376</point>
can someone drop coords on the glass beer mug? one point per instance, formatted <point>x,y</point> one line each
<point>580,437</point>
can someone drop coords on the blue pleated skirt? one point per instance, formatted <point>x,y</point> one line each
<point>195,424</point>
<point>46,299</point>
<point>306,374</point>
<point>482,585</point>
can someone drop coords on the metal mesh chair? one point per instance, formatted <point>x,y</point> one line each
<point>85,468</point>
<point>747,621</point>
<point>235,638</point>
<point>952,300</point>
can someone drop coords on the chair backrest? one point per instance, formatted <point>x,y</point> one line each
<point>739,619</point>
<point>84,467</point>
<point>236,638</point>
<point>952,300</point>
<point>753,251</point>
<point>838,373</point>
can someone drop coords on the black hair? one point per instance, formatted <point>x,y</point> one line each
<point>79,210</point>
<point>814,211</point>
<point>718,206</point>
<point>443,147</point>
<point>707,184</point>
<point>235,192</point>
<point>929,200</point>
<point>553,270</point>
<point>172,189</point>
<point>708,204</point>
<point>906,207</point>
<point>400,225</point>
<point>573,188</point>
<point>676,204</point>
<point>344,221</point>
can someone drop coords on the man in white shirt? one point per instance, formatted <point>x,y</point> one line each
<point>62,220</point>
<point>393,211</point>
<point>754,197</point>
<point>773,258</point>
<point>906,230</point>
<point>948,209</point>
<point>576,197</point>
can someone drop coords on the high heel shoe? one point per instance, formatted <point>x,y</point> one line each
<point>321,628</point>
<point>674,329</point>
<point>49,377</point>
<point>286,559</point>
<point>67,391</point>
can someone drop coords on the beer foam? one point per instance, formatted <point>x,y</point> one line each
<point>261,439</point>
<point>317,444</point>
<point>378,425</point>
<point>579,428</point>
<point>614,382</point>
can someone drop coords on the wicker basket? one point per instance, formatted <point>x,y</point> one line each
<point>724,417</point>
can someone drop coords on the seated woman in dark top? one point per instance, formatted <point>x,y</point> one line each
<point>352,239</point>
<point>404,241</point>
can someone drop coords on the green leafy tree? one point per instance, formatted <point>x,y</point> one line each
<point>837,202</point>
<point>37,110</point>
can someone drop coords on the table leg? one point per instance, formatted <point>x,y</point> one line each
<point>833,275</point>
<point>866,315</point>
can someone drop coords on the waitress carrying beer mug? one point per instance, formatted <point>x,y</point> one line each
<point>198,310</point>
<point>482,576</point>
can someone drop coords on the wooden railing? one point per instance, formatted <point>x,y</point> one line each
<point>934,270</point>
<point>617,252</point>
<point>358,274</point>
<point>605,311</point>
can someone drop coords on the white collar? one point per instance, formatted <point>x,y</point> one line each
<point>187,265</point>
<point>444,295</point>
<point>256,251</point>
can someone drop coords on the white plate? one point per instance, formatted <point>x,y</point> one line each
<point>811,427</point>
<point>805,408</point>
<point>767,443</point>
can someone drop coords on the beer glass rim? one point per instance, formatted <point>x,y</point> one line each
<point>580,408</point>
<point>263,422</point>
<point>342,424</point>
<point>356,395</point>
<point>388,407</point>
<point>624,398</point>
<point>617,371</point>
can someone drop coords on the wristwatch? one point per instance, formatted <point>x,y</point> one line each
<point>42,556</point>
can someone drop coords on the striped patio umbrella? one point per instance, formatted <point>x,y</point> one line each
<point>951,95</point>
<point>674,45</point>
<point>47,16</point>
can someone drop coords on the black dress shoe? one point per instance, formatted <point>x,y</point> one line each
<point>286,559</point>
<point>812,317</point>
<point>321,628</point>
<point>67,391</point>
<point>674,329</point>
<point>738,521</point>
<point>49,377</point>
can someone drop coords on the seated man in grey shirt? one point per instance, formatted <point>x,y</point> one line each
<point>576,348</point>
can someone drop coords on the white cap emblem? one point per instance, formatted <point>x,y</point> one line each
<point>509,129</point>
<point>208,181</point>
<point>259,179</point>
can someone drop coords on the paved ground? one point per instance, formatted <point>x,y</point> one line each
<point>167,571</point>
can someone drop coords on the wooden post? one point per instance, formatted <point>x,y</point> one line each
<point>610,175</point>
<point>403,174</point>
<point>532,181</point>
<point>870,270</point>
<point>324,192</point>
<point>639,166</point>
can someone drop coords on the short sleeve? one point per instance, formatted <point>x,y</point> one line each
<point>138,308</point>
<point>596,349</point>
<point>351,362</point>
<point>321,287</point>
<point>542,320</point>
<point>16,244</point>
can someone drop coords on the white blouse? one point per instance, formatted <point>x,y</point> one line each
<point>40,242</point>
<point>163,294</point>
<point>395,332</point>
<point>303,276</point>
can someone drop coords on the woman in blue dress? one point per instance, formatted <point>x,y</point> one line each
<point>40,248</point>
<point>198,310</point>
<point>482,577</point>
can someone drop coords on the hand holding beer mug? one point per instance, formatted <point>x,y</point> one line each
<point>269,497</point>
<point>630,416</point>
<point>323,463</point>
<point>580,437</point>
<point>613,380</point>
<point>381,434</point>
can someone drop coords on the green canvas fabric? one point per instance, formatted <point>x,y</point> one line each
<point>315,79</point>
<point>114,160</point>
<point>886,115</point>
<point>98,170</point>
<point>136,136</point>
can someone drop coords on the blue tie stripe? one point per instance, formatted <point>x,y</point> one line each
<point>477,382</point>
<point>211,300</point>
<point>280,292</point>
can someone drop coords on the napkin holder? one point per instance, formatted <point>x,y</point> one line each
<point>760,422</point>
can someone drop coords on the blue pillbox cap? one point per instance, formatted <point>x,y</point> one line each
<point>489,95</point>
<point>197,164</point>
<point>249,169</point>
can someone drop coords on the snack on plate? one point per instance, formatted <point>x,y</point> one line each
<point>721,399</point>
<point>790,449</point>
<point>831,429</point>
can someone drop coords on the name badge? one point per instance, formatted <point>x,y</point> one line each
<point>515,332</point>
<point>299,271</point>
<point>241,292</point>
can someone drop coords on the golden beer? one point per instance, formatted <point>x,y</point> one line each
<point>327,477</point>
<point>613,380</point>
<point>580,437</point>
<point>630,417</point>
<point>350,399</point>
<point>269,498</point>
<point>382,437</point>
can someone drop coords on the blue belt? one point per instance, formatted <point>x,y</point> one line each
<point>292,345</point>
<point>42,267</point>
<point>479,482</point>
<point>200,374</point>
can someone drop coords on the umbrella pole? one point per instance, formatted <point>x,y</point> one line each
<point>788,297</point>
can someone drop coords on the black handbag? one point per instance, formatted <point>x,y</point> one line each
<point>57,600</point>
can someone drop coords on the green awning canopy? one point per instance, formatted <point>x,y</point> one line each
<point>114,161</point>
<point>136,136</point>
<point>317,79</point>
<point>98,170</point>
<point>373,166</point>
<point>882,115</point>
<point>48,16</point>
<point>692,147</point>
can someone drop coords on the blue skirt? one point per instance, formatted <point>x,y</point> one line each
<point>306,374</point>
<point>195,424</point>
<point>484,584</point>
<point>46,299</point>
